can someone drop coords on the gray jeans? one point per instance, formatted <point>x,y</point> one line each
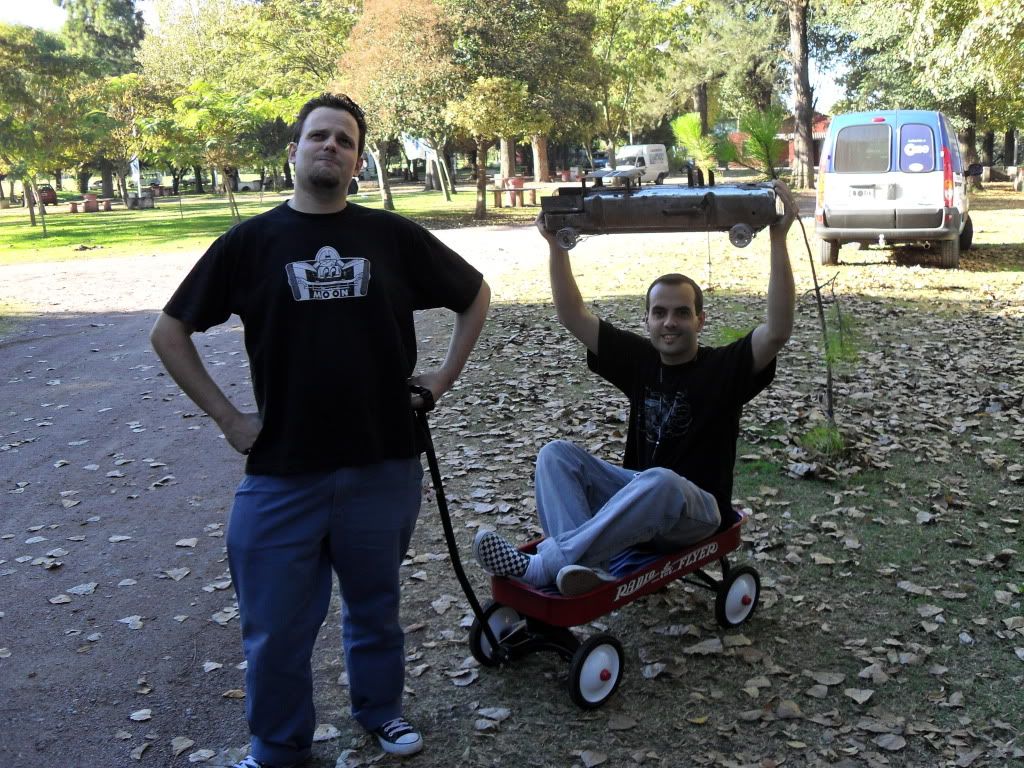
<point>592,510</point>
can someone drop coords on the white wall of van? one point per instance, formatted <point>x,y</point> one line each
<point>650,159</point>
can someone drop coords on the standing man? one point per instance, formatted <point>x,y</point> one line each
<point>675,485</point>
<point>326,291</point>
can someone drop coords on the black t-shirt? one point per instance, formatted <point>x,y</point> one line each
<point>682,417</point>
<point>327,303</point>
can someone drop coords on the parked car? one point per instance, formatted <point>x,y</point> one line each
<point>893,176</point>
<point>600,159</point>
<point>47,195</point>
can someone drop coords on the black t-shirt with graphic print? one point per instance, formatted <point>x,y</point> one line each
<point>327,304</point>
<point>682,417</point>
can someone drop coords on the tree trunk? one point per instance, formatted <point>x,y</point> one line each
<point>449,169</point>
<point>37,201</point>
<point>58,180</point>
<point>122,188</point>
<point>288,183</point>
<point>197,171</point>
<point>382,179</point>
<point>83,181</point>
<point>443,176</point>
<point>1009,148</point>
<point>481,179</point>
<point>968,137</point>
<point>176,174</point>
<point>507,152</point>
<point>541,170</point>
<point>700,104</point>
<point>227,174</point>
<point>107,176</point>
<point>988,148</point>
<point>803,165</point>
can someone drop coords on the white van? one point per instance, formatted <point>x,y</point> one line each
<point>650,159</point>
<point>893,176</point>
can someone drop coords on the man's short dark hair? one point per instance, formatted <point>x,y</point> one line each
<point>332,101</point>
<point>674,278</point>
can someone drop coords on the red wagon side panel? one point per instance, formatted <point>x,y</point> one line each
<point>557,610</point>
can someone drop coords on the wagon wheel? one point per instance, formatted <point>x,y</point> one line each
<point>567,237</point>
<point>740,235</point>
<point>596,671</point>
<point>503,621</point>
<point>737,596</point>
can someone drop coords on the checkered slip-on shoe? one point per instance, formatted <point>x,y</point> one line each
<point>498,556</point>
<point>575,580</point>
<point>398,737</point>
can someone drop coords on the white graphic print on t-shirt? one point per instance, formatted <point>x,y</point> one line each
<point>328,276</point>
<point>666,417</point>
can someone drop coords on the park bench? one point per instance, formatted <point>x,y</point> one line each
<point>516,196</point>
<point>91,205</point>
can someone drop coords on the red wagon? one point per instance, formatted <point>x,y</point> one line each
<point>522,619</point>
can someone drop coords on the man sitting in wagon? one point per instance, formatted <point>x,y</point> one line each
<point>674,487</point>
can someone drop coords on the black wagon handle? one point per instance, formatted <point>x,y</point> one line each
<point>446,520</point>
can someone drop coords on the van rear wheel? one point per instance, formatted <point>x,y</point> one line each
<point>949,253</point>
<point>660,178</point>
<point>829,252</point>
<point>967,236</point>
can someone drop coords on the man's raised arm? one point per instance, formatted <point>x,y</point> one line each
<point>772,335</point>
<point>572,312</point>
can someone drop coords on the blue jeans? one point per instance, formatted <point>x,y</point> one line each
<point>285,536</point>
<point>591,510</point>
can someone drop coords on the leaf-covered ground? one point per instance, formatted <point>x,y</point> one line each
<point>890,630</point>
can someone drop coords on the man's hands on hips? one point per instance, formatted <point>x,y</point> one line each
<point>436,381</point>
<point>241,430</point>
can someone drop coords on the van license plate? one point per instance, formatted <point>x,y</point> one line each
<point>862,193</point>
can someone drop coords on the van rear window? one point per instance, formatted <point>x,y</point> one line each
<point>862,149</point>
<point>917,148</point>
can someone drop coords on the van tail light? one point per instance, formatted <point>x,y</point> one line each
<point>820,181</point>
<point>947,178</point>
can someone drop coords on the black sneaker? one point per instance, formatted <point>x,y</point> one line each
<point>575,580</point>
<point>398,737</point>
<point>498,556</point>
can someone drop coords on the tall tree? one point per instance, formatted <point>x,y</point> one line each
<point>540,44</point>
<point>108,31</point>
<point>803,165</point>
<point>40,119</point>
<point>965,57</point>
<point>403,81</point>
<point>491,107</point>
<point>223,120</point>
<point>119,105</point>
<point>629,52</point>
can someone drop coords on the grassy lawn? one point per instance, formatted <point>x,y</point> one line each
<point>195,221</point>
